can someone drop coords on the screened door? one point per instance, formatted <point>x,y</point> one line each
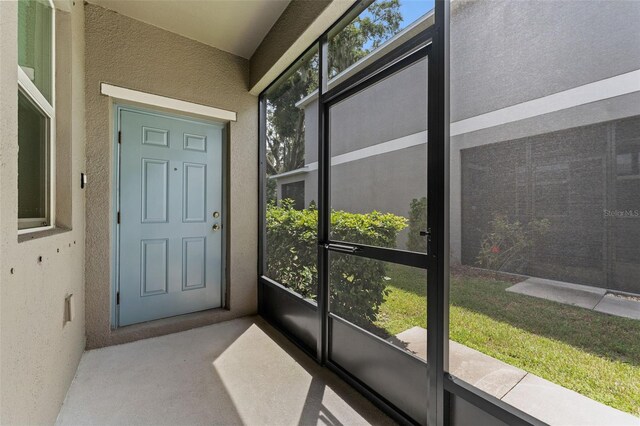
<point>376,252</point>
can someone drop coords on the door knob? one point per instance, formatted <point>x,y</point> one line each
<point>215,227</point>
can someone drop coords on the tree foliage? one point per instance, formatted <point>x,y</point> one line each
<point>285,121</point>
<point>364,34</point>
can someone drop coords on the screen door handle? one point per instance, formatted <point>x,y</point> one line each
<point>343,248</point>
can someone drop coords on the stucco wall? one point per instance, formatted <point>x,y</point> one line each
<point>293,22</point>
<point>131,54</point>
<point>39,353</point>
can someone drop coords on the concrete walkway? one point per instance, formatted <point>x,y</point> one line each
<point>587,297</point>
<point>534,395</point>
<point>239,372</point>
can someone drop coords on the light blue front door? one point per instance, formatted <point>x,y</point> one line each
<point>170,216</point>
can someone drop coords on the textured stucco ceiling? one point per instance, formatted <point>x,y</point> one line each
<point>235,26</point>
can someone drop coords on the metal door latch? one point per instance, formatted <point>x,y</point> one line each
<point>343,248</point>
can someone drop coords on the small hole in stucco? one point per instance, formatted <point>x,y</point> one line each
<point>39,259</point>
<point>58,250</point>
<point>74,242</point>
<point>12,271</point>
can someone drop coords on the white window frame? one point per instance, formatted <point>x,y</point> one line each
<point>29,89</point>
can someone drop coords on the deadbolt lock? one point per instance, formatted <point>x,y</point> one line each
<point>216,215</point>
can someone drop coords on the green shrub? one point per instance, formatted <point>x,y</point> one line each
<point>356,284</point>
<point>417,223</point>
<point>292,248</point>
<point>505,246</point>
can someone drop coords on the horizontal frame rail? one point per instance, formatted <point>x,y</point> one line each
<point>488,403</point>
<point>400,257</point>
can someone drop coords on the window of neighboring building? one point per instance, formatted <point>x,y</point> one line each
<point>36,115</point>
<point>294,191</point>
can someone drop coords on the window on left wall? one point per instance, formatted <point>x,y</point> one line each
<point>36,115</point>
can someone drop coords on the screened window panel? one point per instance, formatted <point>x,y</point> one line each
<point>291,146</point>
<point>545,206</point>
<point>378,142</point>
<point>35,48</point>
<point>385,299</point>
<point>33,165</point>
<point>381,21</point>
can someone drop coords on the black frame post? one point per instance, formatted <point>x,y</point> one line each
<point>324,163</point>
<point>438,216</point>
<point>262,196</point>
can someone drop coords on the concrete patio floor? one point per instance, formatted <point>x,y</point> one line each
<point>240,372</point>
<point>534,395</point>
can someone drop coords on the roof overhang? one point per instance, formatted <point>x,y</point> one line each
<point>235,26</point>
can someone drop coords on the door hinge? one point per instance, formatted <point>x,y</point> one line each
<point>119,136</point>
<point>118,219</point>
<point>117,298</point>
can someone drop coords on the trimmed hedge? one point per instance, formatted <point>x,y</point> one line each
<point>357,285</point>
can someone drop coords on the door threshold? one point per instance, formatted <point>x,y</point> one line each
<point>161,327</point>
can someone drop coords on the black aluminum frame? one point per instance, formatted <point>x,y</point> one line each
<point>432,43</point>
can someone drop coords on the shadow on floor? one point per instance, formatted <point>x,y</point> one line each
<point>240,372</point>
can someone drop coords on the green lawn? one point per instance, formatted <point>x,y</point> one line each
<point>595,354</point>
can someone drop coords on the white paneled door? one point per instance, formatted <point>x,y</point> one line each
<point>170,252</point>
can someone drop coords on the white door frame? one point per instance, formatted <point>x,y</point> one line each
<point>170,108</point>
